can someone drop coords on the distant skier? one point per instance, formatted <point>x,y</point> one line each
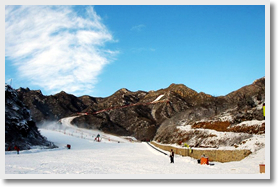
<point>172,156</point>
<point>97,138</point>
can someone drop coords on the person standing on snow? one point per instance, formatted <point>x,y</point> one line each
<point>172,156</point>
<point>17,149</point>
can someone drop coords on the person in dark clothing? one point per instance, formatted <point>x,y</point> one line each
<point>17,149</point>
<point>172,156</point>
<point>97,138</point>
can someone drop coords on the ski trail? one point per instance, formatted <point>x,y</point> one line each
<point>89,134</point>
<point>67,121</point>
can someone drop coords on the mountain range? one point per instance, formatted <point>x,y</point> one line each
<point>153,115</point>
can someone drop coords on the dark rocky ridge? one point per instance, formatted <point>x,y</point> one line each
<point>20,129</point>
<point>146,122</point>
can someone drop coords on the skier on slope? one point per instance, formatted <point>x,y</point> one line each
<point>97,138</point>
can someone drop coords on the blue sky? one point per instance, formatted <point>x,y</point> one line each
<point>97,50</point>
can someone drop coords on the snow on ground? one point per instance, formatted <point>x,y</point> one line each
<point>252,142</point>
<point>158,98</point>
<point>226,117</point>
<point>67,128</point>
<point>87,156</point>
<point>251,123</point>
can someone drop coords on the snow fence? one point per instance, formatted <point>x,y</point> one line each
<point>216,155</point>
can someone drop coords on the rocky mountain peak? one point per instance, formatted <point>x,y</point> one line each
<point>28,90</point>
<point>20,129</point>
<point>124,90</point>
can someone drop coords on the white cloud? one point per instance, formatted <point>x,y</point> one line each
<point>138,28</point>
<point>55,48</point>
<point>142,49</point>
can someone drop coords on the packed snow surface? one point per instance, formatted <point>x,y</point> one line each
<point>113,155</point>
<point>158,98</point>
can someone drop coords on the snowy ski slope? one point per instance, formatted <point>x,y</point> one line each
<point>139,160</point>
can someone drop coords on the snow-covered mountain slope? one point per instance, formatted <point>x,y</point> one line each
<point>225,140</point>
<point>66,127</point>
<point>87,156</point>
